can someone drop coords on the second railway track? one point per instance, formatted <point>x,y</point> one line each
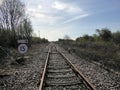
<point>60,74</point>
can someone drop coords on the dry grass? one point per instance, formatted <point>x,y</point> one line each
<point>108,54</point>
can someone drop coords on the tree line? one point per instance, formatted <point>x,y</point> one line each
<point>102,47</point>
<point>103,34</point>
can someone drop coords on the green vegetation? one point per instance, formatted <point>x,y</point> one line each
<point>103,47</point>
<point>37,40</point>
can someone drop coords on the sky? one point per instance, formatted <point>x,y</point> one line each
<point>53,19</point>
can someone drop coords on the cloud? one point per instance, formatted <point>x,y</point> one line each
<point>1,2</point>
<point>42,16</point>
<point>53,13</point>
<point>75,10</point>
<point>67,7</point>
<point>59,5</point>
<point>30,11</point>
<point>75,18</point>
<point>40,6</point>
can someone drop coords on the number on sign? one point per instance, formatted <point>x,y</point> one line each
<point>22,48</point>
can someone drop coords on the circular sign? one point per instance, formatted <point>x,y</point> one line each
<point>22,48</point>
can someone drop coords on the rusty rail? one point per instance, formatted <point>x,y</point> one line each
<point>79,73</point>
<point>44,71</point>
<point>92,87</point>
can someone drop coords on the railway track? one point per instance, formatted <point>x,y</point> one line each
<point>60,74</point>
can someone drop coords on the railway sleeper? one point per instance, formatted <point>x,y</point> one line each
<point>68,87</point>
<point>61,81</point>
<point>58,67</point>
<point>61,70</point>
<point>61,76</point>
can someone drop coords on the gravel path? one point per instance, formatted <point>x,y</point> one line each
<point>101,78</point>
<point>27,76</point>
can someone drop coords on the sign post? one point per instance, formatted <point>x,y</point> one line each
<point>22,47</point>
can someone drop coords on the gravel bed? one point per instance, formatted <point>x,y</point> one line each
<point>27,76</point>
<point>100,77</point>
<point>64,79</point>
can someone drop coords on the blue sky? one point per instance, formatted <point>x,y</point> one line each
<point>57,18</point>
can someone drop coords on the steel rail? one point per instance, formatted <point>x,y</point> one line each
<point>44,71</point>
<point>92,87</point>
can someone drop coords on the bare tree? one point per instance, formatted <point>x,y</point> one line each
<point>66,37</point>
<point>25,30</point>
<point>12,13</point>
<point>13,20</point>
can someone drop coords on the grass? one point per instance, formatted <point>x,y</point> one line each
<point>106,53</point>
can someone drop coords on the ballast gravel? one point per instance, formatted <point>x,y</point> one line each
<point>27,76</point>
<point>100,77</point>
